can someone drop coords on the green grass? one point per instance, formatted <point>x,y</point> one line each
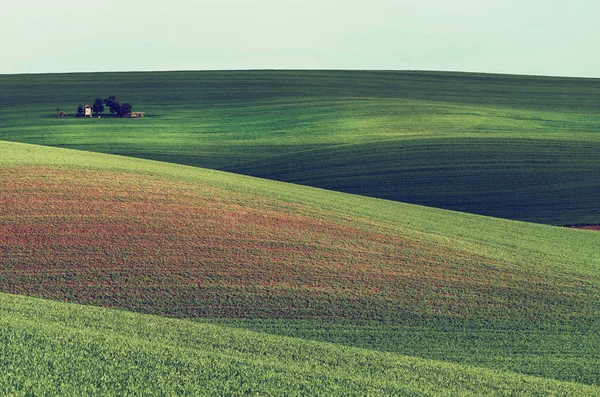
<point>53,348</point>
<point>559,352</point>
<point>516,147</point>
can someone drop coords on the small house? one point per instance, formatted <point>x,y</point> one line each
<point>88,111</point>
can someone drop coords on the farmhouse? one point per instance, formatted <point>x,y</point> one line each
<point>88,111</point>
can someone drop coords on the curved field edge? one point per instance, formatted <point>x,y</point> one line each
<point>542,180</point>
<point>562,352</point>
<point>523,244</point>
<point>69,349</point>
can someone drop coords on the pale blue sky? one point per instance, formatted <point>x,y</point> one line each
<point>559,38</point>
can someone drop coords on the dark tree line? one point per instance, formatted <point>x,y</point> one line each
<point>121,110</point>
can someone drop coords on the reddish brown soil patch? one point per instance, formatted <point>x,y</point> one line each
<point>186,250</point>
<point>586,227</point>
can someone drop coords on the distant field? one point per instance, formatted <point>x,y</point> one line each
<point>245,253</point>
<point>515,147</point>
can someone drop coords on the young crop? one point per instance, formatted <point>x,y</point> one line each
<point>57,348</point>
<point>190,243</point>
<point>476,302</point>
<point>185,250</point>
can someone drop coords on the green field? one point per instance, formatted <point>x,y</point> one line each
<point>503,300</point>
<point>53,348</point>
<point>515,147</point>
<point>212,282</point>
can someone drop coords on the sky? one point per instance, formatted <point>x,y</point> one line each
<point>535,37</point>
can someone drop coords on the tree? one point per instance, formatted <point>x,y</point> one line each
<point>80,111</point>
<point>125,110</point>
<point>110,100</point>
<point>115,108</point>
<point>112,104</point>
<point>98,106</point>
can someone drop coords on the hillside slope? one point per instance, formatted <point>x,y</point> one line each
<point>196,231</point>
<point>58,348</point>
<point>518,147</point>
<point>285,259</point>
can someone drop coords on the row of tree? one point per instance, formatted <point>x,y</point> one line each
<point>121,110</point>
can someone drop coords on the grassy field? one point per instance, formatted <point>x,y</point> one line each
<point>82,350</point>
<point>380,297</point>
<point>213,282</point>
<point>515,147</point>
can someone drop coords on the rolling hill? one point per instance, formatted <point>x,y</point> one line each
<point>236,252</point>
<point>516,147</point>
<point>59,348</point>
<point>120,274</point>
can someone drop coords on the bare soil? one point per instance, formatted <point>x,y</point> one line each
<point>586,227</point>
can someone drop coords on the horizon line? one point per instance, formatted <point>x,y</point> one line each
<point>437,71</point>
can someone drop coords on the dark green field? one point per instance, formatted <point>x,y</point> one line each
<point>517,147</point>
